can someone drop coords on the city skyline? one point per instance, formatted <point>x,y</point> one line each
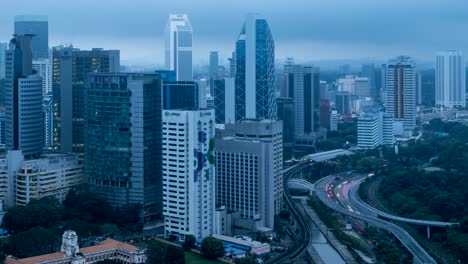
<point>337,29</point>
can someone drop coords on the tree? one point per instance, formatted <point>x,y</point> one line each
<point>156,253</point>
<point>175,255</point>
<point>212,248</point>
<point>285,214</point>
<point>36,241</point>
<point>246,260</point>
<point>189,242</point>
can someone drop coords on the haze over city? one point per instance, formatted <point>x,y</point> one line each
<point>307,30</point>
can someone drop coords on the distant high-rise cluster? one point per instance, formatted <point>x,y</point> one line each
<point>179,47</point>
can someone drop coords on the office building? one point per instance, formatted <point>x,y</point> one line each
<point>245,181</point>
<point>23,96</point>
<point>286,114</point>
<point>43,67</point>
<point>48,117</point>
<point>303,84</point>
<point>52,175</point>
<point>334,120</point>
<point>224,100</point>
<point>214,64</point>
<point>400,85</point>
<point>343,103</point>
<point>71,67</point>
<point>325,114</point>
<point>3,49</point>
<point>358,86</point>
<point>232,66</point>
<point>375,128</point>
<point>202,86</point>
<point>368,71</point>
<point>180,95</point>
<point>2,92</point>
<point>178,50</point>
<point>123,139</point>
<point>427,87</point>
<point>267,131</point>
<point>2,128</point>
<point>450,79</point>
<point>38,28</point>
<point>255,70</point>
<point>188,173</point>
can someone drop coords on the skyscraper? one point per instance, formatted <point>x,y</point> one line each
<point>325,114</point>
<point>343,103</point>
<point>48,116</point>
<point>375,128</point>
<point>255,70</point>
<point>450,79</point>
<point>400,85</point>
<point>43,67</point>
<point>70,69</point>
<point>188,173</point>
<point>214,63</point>
<point>3,48</point>
<point>123,139</point>
<point>267,131</point>
<point>23,97</point>
<point>286,114</point>
<point>224,96</point>
<point>180,95</point>
<point>38,27</point>
<point>368,71</point>
<point>303,84</point>
<point>232,66</point>
<point>178,51</point>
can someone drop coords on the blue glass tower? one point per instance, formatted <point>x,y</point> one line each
<point>255,70</point>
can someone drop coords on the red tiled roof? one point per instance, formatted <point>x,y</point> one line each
<point>107,244</point>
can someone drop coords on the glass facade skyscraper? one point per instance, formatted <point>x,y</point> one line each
<point>123,139</point>
<point>70,69</point>
<point>38,27</point>
<point>255,70</point>
<point>180,95</point>
<point>23,99</point>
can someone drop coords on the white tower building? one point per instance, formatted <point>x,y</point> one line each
<point>178,51</point>
<point>188,172</point>
<point>43,68</point>
<point>450,79</point>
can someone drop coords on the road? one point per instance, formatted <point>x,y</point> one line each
<point>353,188</point>
<point>348,206</point>
<point>303,240</point>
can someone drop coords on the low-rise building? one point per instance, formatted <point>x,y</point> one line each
<point>70,253</point>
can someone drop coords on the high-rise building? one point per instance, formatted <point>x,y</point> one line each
<point>178,51</point>
<point>244,180</point>
<point>427,87</point>
<point>188,172</point>
<point>38,28</point>
<point>224,99</point>
<point>325,114</point>
<point>362,87</point>
<point>123,139</point>
<point>368,71</point>
<point>232,66</point>
<point>286,114</point>
<point>48,117</point>
<point>303,84</point>
<point>180,95</point>
<point>343,103</point>
<point>43,67</point>
<point>23,96</point>
<point>2,92</point>
<point>214,64</point>
<point>3,49</point>
<point>255,70</point>
<point>375,128</point>
<point>2,128</point>
<point>202,85</point>
<point>450,79</point>
<point>334,120</point>
<point>70,69</point>
<point>267,131</point>
<point>400,85</point>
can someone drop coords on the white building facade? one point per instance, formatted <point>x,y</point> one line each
<point>188,173</point>
<point>43,68</point>
<point>450,82</point>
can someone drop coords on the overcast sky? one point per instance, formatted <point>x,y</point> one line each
<point>308,30</point>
